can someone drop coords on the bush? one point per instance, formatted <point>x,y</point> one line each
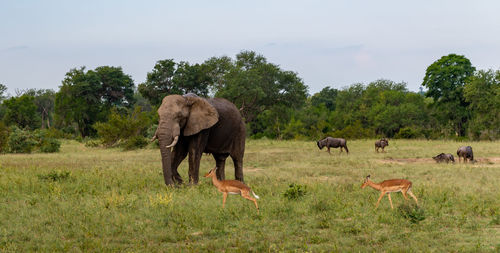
<point>407,133</point>
<point>119,128</point>
<point>24,141</point>
<point>412,213</point>
<point>135,142</point>
<point>21,141</point>
<point>50,145</point>
<point>295,191</point>
<point>354,131</point>
<point>92,143</point>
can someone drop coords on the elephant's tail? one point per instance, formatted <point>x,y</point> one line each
<point>255,195</point>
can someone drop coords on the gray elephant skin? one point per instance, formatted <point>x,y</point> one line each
<point>330,142</point>
<point>382,143</point>
<point>194,125</point>
<point>465,152</point>
<point>444,158</point>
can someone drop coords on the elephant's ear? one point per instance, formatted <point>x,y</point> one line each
<point>202,115</point>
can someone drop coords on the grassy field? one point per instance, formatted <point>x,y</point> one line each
<point>105,200</point>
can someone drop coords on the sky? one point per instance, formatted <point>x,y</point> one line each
<point>327,43</point>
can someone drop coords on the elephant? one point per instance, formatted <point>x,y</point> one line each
<point>466,153</point>
<point>333,142</point>
<point>382,143</point>
<point>193,125</point>
<point>444,158</point>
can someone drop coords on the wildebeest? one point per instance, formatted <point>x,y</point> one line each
<point>382,143</point>
<point>334,143</point>
<point>465,152</point>
<point>444,158</point>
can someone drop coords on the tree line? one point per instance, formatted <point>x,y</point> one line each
<point>460,102</point>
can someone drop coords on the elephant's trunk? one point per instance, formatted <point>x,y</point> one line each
<point>166,160</point>
<point>168,135</point>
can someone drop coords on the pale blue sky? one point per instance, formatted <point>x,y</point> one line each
<point>328,43</point>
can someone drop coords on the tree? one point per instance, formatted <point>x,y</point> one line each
<point>3,89</point>
<point>21,111</point>
<point>44,101</point>
<point>326,96</point>
<point>168,77</point>
<point>483,93</point>
<point>215,69</point>
<point>255,85</point>
<point>445,80</point>
<point>87,97</point>
<point>115,88</point>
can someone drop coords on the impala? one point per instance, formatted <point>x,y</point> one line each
<point>232,187</point>
<point>388,186</point>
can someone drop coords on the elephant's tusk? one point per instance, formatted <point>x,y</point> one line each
<point>174,142</point>
<point>154,138</point>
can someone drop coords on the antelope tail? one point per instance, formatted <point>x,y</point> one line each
<point>255,195</point>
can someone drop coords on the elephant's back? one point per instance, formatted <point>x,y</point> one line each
<point>229,131</point>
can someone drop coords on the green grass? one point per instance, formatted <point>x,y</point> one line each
<point>91,199</point>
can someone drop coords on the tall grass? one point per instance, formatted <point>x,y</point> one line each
<point>90,199</point>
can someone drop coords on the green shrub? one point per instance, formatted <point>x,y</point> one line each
<point>412,213</point>
<point>50,145</point>
<point>135,142</point>
<point>295,191</point>
<point>21,141</point>
<point>354,131</point>
<point>92,143</point>
<point>24,141</point>
<point>57,134</point>
<point>407,133</point>
<point>121,127</point>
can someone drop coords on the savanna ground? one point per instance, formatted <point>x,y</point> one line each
<point>90,199</point>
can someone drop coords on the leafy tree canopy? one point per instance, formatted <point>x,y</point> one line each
<point>326,96</point>
<point>21,111</point>
<point>169,77</point>
<point>445,80</point>
<point>86,97</point>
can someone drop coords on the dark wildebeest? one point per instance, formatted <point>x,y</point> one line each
<point>465,152</point>
<point>444,158</point>
<point>382,143</point>
<point>334,143</point>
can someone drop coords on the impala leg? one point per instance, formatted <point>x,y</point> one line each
<point>390,200</point>
<point>247,196</point>
<point>224,199</point>
<point>404,195</point>
<point>413,196</point>
<point>379,198</point>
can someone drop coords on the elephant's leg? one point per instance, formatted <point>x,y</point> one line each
<point>238,167</point>
<point>196,146</point>
<point>194,166</point>
<point>220,163</point>
<point>179,154</point>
